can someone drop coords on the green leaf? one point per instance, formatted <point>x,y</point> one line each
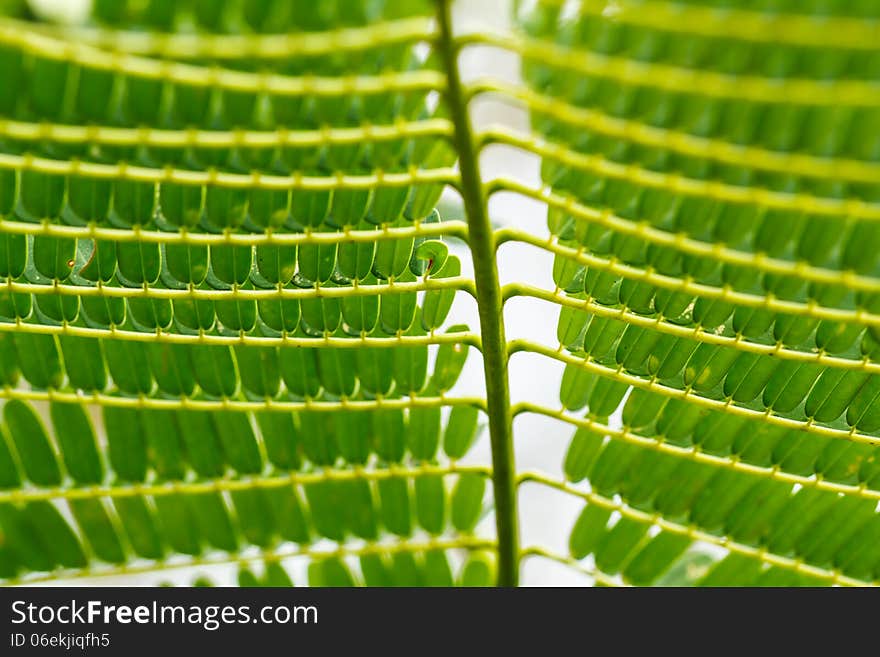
<point>127,445</point>
<point>329,572</point>
<point>77,441</point>
<point>190,255</point>
<point>395,506</point>
<point>32,444</point>
<point>461,430</point>
<point>478,570</point>
<point>449,363</point>
<point>38,359</point>
<point>431,503</point>
<point>467,501</point>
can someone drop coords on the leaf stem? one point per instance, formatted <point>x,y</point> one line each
<point>489,304</point>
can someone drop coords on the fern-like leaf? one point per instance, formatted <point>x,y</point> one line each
<point>230,318</point>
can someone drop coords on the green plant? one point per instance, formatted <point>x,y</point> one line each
<point>223,271</point>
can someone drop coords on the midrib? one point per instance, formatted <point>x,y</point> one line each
<point>489,304</point>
